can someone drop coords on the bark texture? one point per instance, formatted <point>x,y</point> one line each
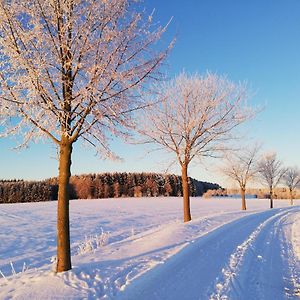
<point>243,194</point>
<point>63,224</point>
<point>291,197</point>
<point>186,195</point>
<point>271,198</point>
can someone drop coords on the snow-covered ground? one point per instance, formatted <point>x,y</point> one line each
<point>140,249</point>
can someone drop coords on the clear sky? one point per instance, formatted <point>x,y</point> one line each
<point>257,41</point>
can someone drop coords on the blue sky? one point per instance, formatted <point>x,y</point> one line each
<point>257,41</point>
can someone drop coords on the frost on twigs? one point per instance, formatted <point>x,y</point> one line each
<point>74,68</point>
<point>92,243</point>
<point>241,167</point>
<point>14,272</point>
<point>53,261</point>
<point>194,115</point>
<point>271,172</point>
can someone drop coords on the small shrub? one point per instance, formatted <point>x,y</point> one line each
<point>93,242</point>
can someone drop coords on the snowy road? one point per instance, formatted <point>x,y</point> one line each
<point>250,258</point>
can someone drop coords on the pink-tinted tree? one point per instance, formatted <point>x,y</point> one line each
<point>271,171</point>
<point>241,167</point>
<point>70,70</point>
<point>193,117</point>
<point>291,179</point>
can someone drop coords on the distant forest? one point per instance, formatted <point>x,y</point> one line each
<point>106,185</point>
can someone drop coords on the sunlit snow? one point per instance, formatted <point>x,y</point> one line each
<point>141,249</point>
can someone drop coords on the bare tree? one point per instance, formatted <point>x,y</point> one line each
<point>292,180</point>
<point>194,115</point>
<point>72,69</point>
<point>271,172</point>
<point>241,166</point>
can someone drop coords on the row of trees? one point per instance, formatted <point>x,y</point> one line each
<point>24,191</point>
<point>115,185</point>
<point>127,185</point>
<point>107,185</point>
<point>281,192</point>
<point>249,165</point>
<point>80,70</point>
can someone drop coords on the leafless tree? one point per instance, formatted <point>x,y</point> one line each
<point>292,180</point>
<point>73,69</point>
<point>193,117</point>
<point>271,172</point>
<point>241,167</point>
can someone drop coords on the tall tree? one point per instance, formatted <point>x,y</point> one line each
<point>241,167</point>
<point>271,172</point>
<point>292,180</point>
<point>193,116</point>
<point>73,69</point>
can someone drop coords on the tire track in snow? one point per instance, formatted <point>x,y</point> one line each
<point>229,285</point>
<point>278,262</point>
<point>293,237</point>
<point>190,273</point>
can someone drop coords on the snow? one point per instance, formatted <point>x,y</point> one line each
<point>140,249</point>
<point>296,235</point>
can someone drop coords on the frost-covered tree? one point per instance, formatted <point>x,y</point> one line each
<point>271,172</point>
<point>291,179</point>
<point>194,116</point>
<point>70,70</point>
<point>241,167</point>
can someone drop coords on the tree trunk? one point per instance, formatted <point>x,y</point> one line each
<point>271,198</point>
<point>186,197</point>
<point>63,226</point>
<point>243,194</point>
<point>291,198</point>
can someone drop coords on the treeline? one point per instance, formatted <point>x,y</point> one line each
<point>106,185</point>
<point>15,191</point>
<point>263,193</point>
<point>278,193</point>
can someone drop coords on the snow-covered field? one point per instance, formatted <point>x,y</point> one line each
<point>140,249</point>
